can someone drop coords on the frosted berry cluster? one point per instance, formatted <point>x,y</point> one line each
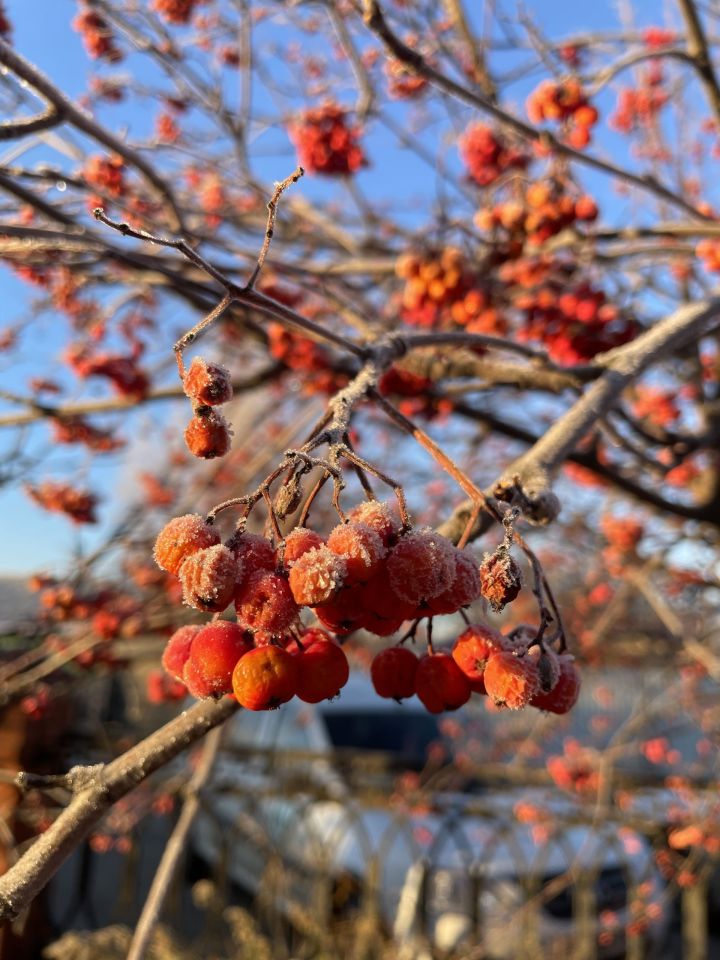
<point>208,385</point>
<point>487,155</point>
<point>567,103</point>
<point>511,670</point>
<point>326,143</point>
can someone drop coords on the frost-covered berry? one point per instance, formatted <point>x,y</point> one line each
<point>209,577</point>
<point>316,576</point>
<point>510,680</point>
<point>207,383</point>
<point>214,652</point>
<point>345,612</point>
<point>421,565</point>
<point>393,673</point>
<point>361,548</point>
<point>177,650</point>
<point>265,602</point>
<point>298,542</point>
<point>208,435</point>
<point>253,551</point>
<point>440,684</point>
<point>180,538</point>
<point>379,517</point>
<point>465,586</point>
<point>500,579</point>
<point>265,678</point>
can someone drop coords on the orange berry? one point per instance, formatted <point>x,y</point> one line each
<point>265,678</point>
<point>421,565</point>
<point>344,612</point>
<point>264,602</point>
<point>379,517</point>
<point>510,680</point>
<point>440,683</point>
<point>209,578</point>
<point>316,576</point>
<point>207,383</point>
<point>298,542</point>
<point>180,538</point>
<point>207,435</point>
<point>472,650</point>
<point>500,579</point>
<point>360,547</point>
<point>393,673</point>
<point>253,552</point>
<point>323,670</point>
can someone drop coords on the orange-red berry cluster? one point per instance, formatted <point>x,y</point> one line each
<point>122,371</point>
<point>507,669</point>
<point>78,505</point>
<point>566,102</point>
<point>544,211</point>
<point>487,155</point>
<point>636,109</point>
<point>403,84</point>
<point>177,12</point>
<point>708,250</point>
<point>208,385</point>
<point>326,143</point>
<point>305,356</point>
<point>442,289</point>
<point>96,35</point>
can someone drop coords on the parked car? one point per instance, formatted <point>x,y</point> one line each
<point>303,795</point>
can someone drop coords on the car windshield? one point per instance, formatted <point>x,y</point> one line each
<point>405,736</point>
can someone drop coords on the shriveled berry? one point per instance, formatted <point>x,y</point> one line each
<point>215,650</point>
<point>323,670</point>
<point>208,435</point>
<point>177,650</point>
<point>440,683</point>
<point>564,694</point>
<point>264,601</point>
<point>316,576</point>
<point>472,650</point>
<point>265,678</point>
<point>465,586</point>
<point>298,542</point>
<point>207,383</point>
<point>421,565</point>
<point>180,538</point>
<point>209,577</point>
<point>361,548</point>
<point>379,517</point>
<point>511,681</point>
<point>393,673</point>
<point>500,579</point>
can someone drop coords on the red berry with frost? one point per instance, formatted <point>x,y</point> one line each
<point>209,578</point>
<point>177,650</point>
<point>500,579</point>
<point>214,652</point>
<point>298,542</point>
<point>316,576</point>
<point>322,671</point>
<point>361,548</point>
<point>207,383</point>
<point>180,539</point>
<point>393,673</point>
<point>564,694</point>
<point>264,601</point>
<point>379,517</point>
<point>421,565</point>
<point>511,681</point>
<point>440,683</point>
<point>465,586</point>
<point>472,650</point>
<point>253,552</point>
<point>265,678</point>
<point>195,681</point>
<point>344,612</point>
<point>207,435</point>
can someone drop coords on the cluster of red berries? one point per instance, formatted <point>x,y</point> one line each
<point>567,103</point>
<point>78,505</point>
<point>487,156</point>
<point>442,289</point>
<point>636,109</point>
<point>224,658</point>
<point>208,385</point>
<point>97,37</point>
<point>106,174</point>
<point>506,668</point>
<point>77,429</point>
<point>177,12</point>
<point>412,393</point>
<point>544,211</point>
<point>121,370</point>
<point>326,143</point>
<point>403,84</point>
<point>708,250</point>
<point>305,356</point>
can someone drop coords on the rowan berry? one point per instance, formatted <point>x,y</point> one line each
<point>465,586</point>
<point>209,578</point>
<point>345,612</point>
<point>253,552</point>
<point>180,538</point>
<point>323,670</point>
<point>298,542</point>
<point>393,673</point>
<point>379,517</point>
<point>207,435</point>
<point>421,565</point>
<point>473,649</point>
<point>207,383</point>
<point>316,576</point>
<point>510,680</point>
<point>265,602</point>
<point>380,598</point>
<point>215,650</point>
<point>177,650</point>
<point>500,579</point>
<point>566,691</point>
<point>360,547</point>
<point>265,678</point>
<point>440,683</point>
